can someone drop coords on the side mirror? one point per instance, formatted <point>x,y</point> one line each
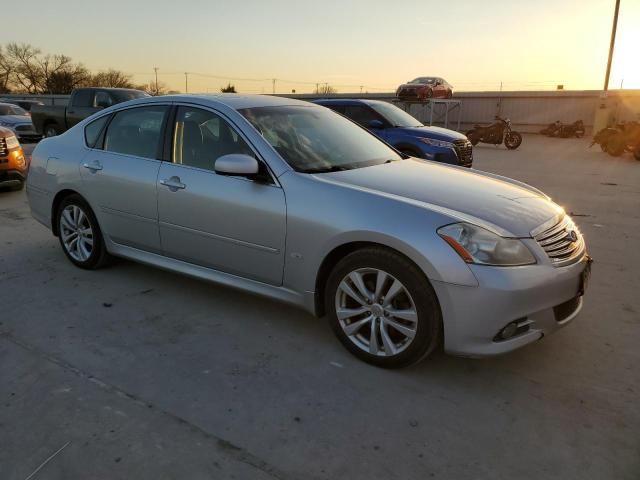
<point>376,124</point>
<point>236,164</point>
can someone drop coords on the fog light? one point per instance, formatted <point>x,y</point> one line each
<point>509,331</point>
<point>512,329</point>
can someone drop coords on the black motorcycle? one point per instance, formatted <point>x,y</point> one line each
<point>576,129</point>
<point>496,133</point>
<point>553,129</point>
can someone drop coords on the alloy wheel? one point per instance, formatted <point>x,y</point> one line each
<point>76,233</point>
<point>376,312</point>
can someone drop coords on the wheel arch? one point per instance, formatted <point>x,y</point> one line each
<point>55,205</point>
<point>332,258</point>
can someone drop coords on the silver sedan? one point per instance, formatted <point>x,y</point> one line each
<point>290,200</point>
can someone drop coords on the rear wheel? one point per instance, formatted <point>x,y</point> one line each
<point>80,235</point>
<point>383,309</point>
<point>616,146</point>
<point>512,140</point>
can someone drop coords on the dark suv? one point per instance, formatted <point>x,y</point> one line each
<point>404,132</point>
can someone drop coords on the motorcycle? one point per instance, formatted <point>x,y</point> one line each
<point>576,129</point>
<point>615,141</point>
<point>496,133</point>
<point>552,130</point>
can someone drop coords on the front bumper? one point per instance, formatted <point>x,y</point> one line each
<point>542,297</point>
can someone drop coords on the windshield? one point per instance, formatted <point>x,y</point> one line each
<point>11,110</point>
<point>423,80</point>
<point>394,115</point>
<point>315,139</point>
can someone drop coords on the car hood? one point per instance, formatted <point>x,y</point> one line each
<point>437,133</point>
<point>15,119</point>
<point>507,207</point>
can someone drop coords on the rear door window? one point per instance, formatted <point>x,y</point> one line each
<point>137,131</point>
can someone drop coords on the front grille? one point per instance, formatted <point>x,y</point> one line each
<point>464,150</point>
<point>563,242</point>
<point>564,310</point>
<point>3,147</point>
<point>24,128</point>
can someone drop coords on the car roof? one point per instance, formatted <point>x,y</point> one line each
<point>231,100</point>
<point>347,101</point>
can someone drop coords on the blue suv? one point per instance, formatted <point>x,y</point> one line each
<point>403,132</point>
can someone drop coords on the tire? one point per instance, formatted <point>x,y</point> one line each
<point>51,130</point>
<point>603,146</point>
<point>429,93</point>
<point>398,340</point>
<point>449,95</point>
<point>471,135</point>
<point>18,187</point>
<point>512,140</point>
<point>69,221</point>
<point>615,146</point>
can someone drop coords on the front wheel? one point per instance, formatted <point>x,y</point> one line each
<point>80,235</point>
<point>616,146</point>
<point>472,137</point>
<point>512,140</point>
<point>383,309</point>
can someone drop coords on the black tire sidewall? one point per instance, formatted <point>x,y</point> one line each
<point>515,145</point>
<point>429,330</point>
<point>98,253</point>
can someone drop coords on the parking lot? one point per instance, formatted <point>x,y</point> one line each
<point>131,371</point>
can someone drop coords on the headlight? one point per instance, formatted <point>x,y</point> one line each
<point>477,245</point>
<point>12,142</point>
<point>4,124</point>
<point>436,143</point>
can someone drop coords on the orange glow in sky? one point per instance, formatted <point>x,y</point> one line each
<point>348,44</point>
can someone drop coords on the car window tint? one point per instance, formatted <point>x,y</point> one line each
<point>136,131</point>
<point>336,108</point>
<point>102,99</point>
<point>83,98</point>
<point>93,131</point>
<point>361,114</point>
<point>201,137</point>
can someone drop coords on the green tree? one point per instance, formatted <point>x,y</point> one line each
<point>229,88</point>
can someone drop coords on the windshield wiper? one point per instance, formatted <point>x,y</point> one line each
<point>333,168</point>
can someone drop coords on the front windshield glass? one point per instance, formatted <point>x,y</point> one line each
<point>11,110</point>
<point>315,139</point>
<point>423,80</point>
<point>394,115</point>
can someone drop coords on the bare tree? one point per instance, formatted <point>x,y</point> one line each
<point>325,89</point>
<point>26,74</point>
<point>229,88</point>
<point>6,70</point>
<point>112,78</point>
<point>152,89</point>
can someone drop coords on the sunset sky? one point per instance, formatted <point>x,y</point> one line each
<point>377,44</point>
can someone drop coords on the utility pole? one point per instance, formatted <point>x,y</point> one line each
<point>317,88</point>
<point>186,82</point>
<point>361,88</point>
<point>273,85</point>
<point>611,45</point>
<point>156,70</point>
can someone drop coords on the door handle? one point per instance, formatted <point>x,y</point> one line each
<point>173,183</point>
<point>93,166</point>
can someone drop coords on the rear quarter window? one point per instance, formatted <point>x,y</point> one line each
<point>94,132</point>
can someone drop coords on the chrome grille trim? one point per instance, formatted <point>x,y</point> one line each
<point>3,147</point>
<point>553,238</point>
